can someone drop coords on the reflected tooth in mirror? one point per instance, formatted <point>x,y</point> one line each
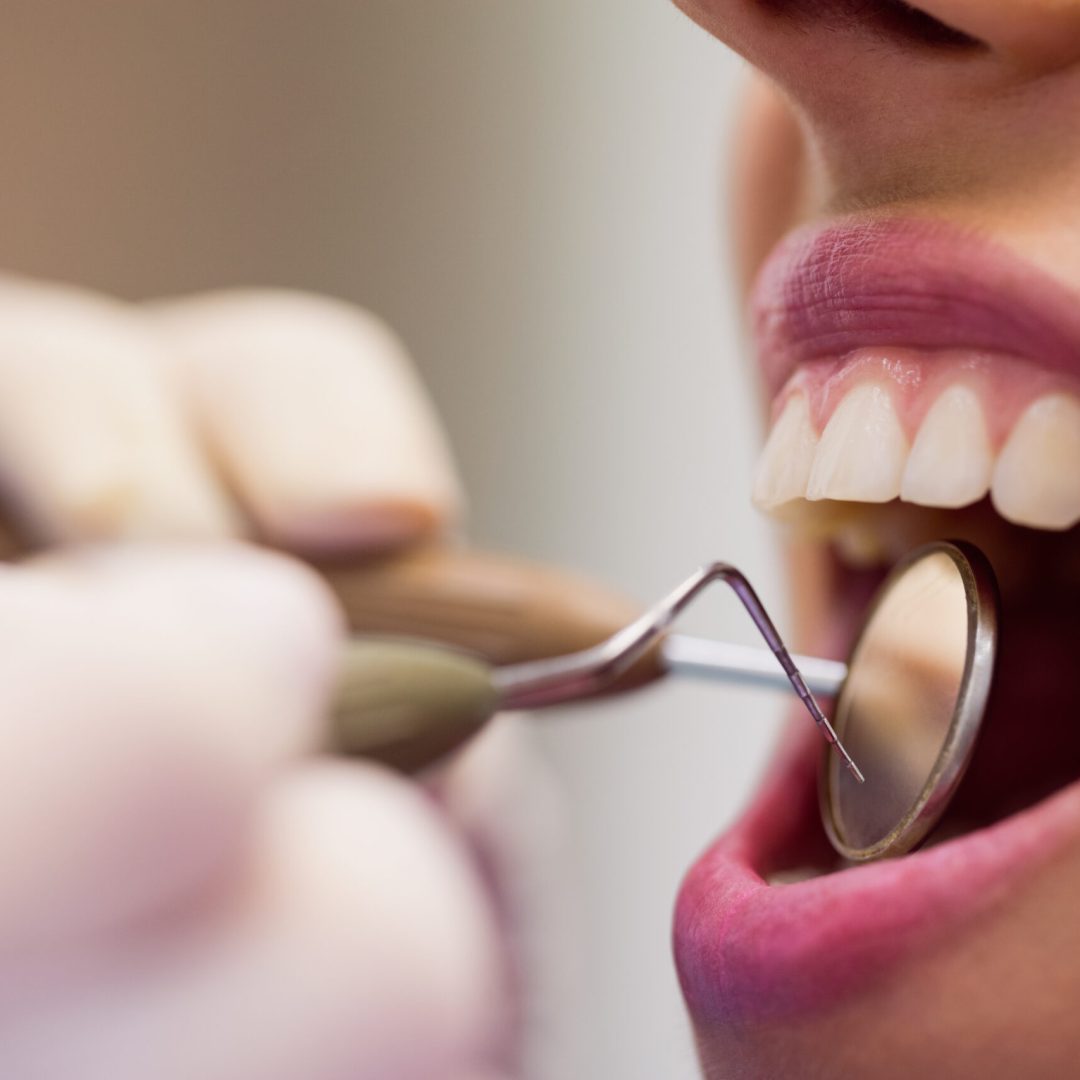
<point>863,450</point>
<point>784,467</point>
<point>1037,478</point>
<point>951,461</point>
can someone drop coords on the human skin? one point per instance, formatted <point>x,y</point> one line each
<point>190,887</point>
<point>861,112</point>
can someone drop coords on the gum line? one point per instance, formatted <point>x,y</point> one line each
<point>1005,385</point>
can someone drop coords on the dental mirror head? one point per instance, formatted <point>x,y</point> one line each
<point>913,701</point>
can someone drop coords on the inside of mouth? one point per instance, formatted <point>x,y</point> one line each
<point>1029,742</point>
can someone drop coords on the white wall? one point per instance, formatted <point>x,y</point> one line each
<point>531,193</point>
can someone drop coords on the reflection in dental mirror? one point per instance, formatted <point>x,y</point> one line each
<point>914,698</point>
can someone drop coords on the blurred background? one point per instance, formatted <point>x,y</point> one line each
<point>532,194</point>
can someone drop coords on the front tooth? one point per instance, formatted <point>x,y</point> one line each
<point>951,460</point>
<point>1037,479</point>
<point>862,451</point>
<point>784,466</point>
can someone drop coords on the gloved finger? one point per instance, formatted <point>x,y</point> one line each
<point>358,942</point>
<point>146,696</point>
<point>90,443</point>
<point>315,416</point>
<point>501,794</point>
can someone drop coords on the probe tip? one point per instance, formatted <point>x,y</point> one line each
<point>850,765</point>
<point>834,740</point>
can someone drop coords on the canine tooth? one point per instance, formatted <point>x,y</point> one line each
<point>952,461</point>
<point>1037,478</point>
<point>784,465</point>
<point>862,451</point>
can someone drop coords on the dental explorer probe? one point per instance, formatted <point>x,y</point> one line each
<point>409,702</point>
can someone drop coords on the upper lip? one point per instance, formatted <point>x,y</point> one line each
<point>827,290</point>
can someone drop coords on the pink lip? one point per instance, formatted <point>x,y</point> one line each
<point>750,951</point>
<point>828,290</point>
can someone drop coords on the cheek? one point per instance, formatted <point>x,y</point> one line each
<point>769,178</point>
<point>1001,1000</point>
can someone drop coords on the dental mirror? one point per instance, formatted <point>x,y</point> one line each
<point>913,701</point>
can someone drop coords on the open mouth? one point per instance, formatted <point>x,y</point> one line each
<point>925,385</point>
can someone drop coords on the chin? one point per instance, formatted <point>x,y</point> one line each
<point>925,384</point>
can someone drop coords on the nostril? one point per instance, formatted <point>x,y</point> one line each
<point>920,26</point>
<point>894,19</point>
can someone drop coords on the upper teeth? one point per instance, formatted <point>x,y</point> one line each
<point>951,461</point>
<point>784,469</point>
<point>863,455</point>
<point>862,451</point>
<point>1037,476</point>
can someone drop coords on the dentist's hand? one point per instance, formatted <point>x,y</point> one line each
<point>186,890</point>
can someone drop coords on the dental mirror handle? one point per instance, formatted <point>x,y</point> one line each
<point>748,665</point>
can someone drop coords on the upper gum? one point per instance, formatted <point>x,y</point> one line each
<point>1005,385</point>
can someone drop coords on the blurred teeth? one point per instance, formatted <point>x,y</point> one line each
<point>863,456</point>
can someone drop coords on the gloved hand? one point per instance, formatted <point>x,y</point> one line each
<point>187,890</point>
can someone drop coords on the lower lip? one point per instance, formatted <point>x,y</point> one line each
<point>747,950</point>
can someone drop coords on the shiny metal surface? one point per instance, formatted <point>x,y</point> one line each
<point>913,702</point>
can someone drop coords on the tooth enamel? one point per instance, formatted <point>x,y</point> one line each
<point>951,461</point>
<point>1037,478</point>
<point>862,451</point>
<point>784,466</point>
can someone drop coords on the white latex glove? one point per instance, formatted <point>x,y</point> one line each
<point>186,891</point>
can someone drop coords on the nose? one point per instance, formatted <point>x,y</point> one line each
<point>795,40</point>
<point>914,97</point>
